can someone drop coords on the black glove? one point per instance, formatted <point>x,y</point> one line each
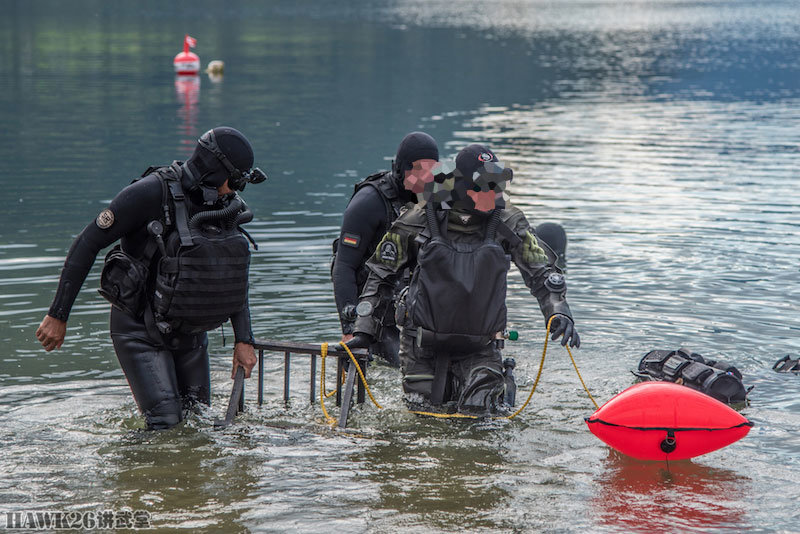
<point>563,325</point>
<point>360,341</point>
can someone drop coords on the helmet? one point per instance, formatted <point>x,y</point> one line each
<point>224,154</point>
<point>414,146</point>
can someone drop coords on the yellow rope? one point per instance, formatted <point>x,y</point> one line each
<point>533,389</point>
<point>581,378</point>
<point>539,374</point>
<point>328,419</point>
<point>439,415</point>
<point>360,374</point>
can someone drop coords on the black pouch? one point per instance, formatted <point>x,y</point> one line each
<point>123,281</point>
<point>718,379</point>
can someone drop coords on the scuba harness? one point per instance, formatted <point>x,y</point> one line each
<point>468,277</point>
<point>381,182</point>
<point>199,277</point>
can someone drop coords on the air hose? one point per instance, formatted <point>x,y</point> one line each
<point>225,213</point>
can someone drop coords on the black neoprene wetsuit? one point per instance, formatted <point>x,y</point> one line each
<point>165,372</point>
<point>364,223</point>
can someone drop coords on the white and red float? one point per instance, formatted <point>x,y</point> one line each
<point>187,63</point>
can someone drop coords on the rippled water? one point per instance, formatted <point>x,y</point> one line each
<point>661,134</point>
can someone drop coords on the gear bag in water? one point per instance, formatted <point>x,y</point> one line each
<point>202,278</point>
<point>718,379</point>
<point>457,295</point>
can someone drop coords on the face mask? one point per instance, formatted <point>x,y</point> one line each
<point>238,179</point>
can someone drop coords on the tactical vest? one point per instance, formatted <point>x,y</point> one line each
<point>457,296</point>
<point>201,273</point>
<point>383,183</point>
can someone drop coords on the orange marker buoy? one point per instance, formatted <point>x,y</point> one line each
<point>666,421</point>
<point>187,62</point>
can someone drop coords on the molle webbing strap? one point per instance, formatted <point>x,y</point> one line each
<point>181,214</point>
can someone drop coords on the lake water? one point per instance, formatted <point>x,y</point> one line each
<point>662,134</point>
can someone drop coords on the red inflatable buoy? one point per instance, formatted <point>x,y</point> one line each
<point>666,421</point>
<point>187,62</point>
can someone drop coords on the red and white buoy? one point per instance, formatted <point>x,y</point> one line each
<point>187,63</point>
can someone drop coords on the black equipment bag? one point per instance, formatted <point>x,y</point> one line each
<point>457,295</point>
<point>718,379</point>
<point>123,281</point>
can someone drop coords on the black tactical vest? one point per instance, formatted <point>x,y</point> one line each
<point>201,278</point>
<point>457,295</point>
<point>716,378</point>
<point>202,281</point>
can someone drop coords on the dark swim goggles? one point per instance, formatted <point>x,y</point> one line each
<point>238,179</point>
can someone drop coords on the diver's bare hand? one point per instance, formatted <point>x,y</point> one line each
<point>244,355</point>
<point>51,333</point>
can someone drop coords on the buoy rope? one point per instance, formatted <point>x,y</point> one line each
<point>328,419</point>
<point>440,415</point>
<point>596,406</point>
<point>360,374</point>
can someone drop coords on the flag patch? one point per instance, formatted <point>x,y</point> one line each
<point>351,240</point>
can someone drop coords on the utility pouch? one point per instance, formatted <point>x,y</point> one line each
<point>123,280</point>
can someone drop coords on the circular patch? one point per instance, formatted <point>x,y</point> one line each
<point>484,156</point>
<point>105,219</point>
<point>388,251</point>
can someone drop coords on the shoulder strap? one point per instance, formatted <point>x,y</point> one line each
<point>508,235</point>
<point>387,192</point>
<point>172,179</point>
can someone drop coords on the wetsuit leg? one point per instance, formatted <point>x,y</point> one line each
<point>479,381</point>
<point>192,371</point>
<point>418,368</point>
<point>149,369</point>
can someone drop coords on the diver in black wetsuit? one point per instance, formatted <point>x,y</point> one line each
<point>376,202</point>
<point>166,364</point>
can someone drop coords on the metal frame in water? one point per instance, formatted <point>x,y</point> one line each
<point>348,372</point>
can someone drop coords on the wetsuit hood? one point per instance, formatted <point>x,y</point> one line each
<point>415,146</point>
<point>207,163</point>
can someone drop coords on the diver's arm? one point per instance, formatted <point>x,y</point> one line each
<point>394,253</point>
<point>131,209</point>
<point>364,217</point>
<point>535,263</point>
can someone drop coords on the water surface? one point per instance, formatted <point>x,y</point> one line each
<point>661,134</point>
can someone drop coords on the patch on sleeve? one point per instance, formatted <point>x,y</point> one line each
<point>105,219</point>
<point>390,250</point>
<point>531,251</point>
<point>351,240</point>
